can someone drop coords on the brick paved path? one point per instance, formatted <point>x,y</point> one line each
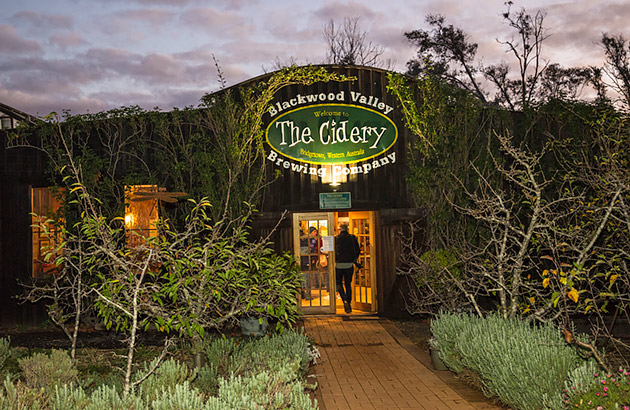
<point>364,367</point>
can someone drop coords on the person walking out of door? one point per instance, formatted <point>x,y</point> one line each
<point>347,250</point>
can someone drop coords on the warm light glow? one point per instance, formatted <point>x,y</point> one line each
<point>45,205</point>
<point>141,213</point>
<point>129,221</point>
<point>334,176</point>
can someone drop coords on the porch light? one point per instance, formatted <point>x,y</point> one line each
<point>334,176</point>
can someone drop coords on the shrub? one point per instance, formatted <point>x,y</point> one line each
<point>219,351</point>
<point>255,355</point>
<point>70,396</point>
<point>261,373</point>
<point>602,391</point>
<point>170,374</point>
<point>207,379</point>
<point>5,350</point>
<point>287,350</point>
<point>45,371</point>
<point>264,390</point>
<point>180,397</point>
<point>19,396</point>
<point>525,366</point>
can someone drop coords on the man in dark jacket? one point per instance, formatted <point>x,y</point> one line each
<point>347,251</point>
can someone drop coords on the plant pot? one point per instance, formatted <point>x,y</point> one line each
<point>436,360</point>
<point>253,326</point>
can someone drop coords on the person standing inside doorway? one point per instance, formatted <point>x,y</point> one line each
<point>347,250</point>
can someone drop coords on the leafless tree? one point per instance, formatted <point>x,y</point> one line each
<point>348,45</point>
<point>66,291</point>
<point>526,48</point>
<point>617,65</point>
<point>438,278</point>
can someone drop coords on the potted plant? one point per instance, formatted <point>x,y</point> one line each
<point>436,360</point>
<point>254,325</point>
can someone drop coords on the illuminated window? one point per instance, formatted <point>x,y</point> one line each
<point>141,213</point>
<point>45,228</point>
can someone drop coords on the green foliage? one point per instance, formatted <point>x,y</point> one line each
<point>262,373</point>
<point>219,351</point>
<point>170,374</point>
<point>207,379</point>
<point>277,352</point>
<point>180,397</point>
<point>5,350</point>
<point>440,259</point>
<point>602,391</point>
<point>263,390</point>
<point>524,365</point>
<point>212,276</point>
<point>449,127</point>
<point>45,371</point>
<point>68,396</point>
<point>213,150</point>
<point>20,396</point>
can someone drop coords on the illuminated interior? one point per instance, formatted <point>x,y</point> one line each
<point>45,228</point>
<point>314,263</point>
<point>141,213</point>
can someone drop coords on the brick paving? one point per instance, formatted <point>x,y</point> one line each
<point>362,366</point>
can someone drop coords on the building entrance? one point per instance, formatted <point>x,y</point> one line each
<point>313,235</point>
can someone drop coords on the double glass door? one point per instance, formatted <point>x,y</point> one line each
<point>313,235</point>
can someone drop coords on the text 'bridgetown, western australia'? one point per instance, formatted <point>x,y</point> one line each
<point>340,97</point>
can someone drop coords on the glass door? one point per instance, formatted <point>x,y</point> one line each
<point>313,249</point>
<point>362,226</point>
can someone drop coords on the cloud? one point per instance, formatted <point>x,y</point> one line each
<point>43,76</point>
<point>67,40</point>
<point>160,52</point>
<point>212,20</point>
<point>41,104</point>
<point>153,18</point>
<point>45,20</point>
<point>11,42</point>
<point>338,11</point>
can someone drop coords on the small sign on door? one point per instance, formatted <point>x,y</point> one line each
<point>328,243</point>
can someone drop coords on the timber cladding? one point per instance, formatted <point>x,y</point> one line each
<point>375,181</point>
<point>382,189</point>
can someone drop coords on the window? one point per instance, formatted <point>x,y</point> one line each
<point>46,224</point>
<point>141,213</point>
<point>6,123</point>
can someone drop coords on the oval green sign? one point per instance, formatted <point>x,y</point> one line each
<point>331,134</point>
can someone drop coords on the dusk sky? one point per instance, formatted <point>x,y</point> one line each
<point>90,56</point>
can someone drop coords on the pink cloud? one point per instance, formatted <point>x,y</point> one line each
<point>12,42</point>
<point>67,40</point>
<point>212,20</point>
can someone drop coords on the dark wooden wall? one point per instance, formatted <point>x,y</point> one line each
<point>20,169</point>
<point>383,190</point>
